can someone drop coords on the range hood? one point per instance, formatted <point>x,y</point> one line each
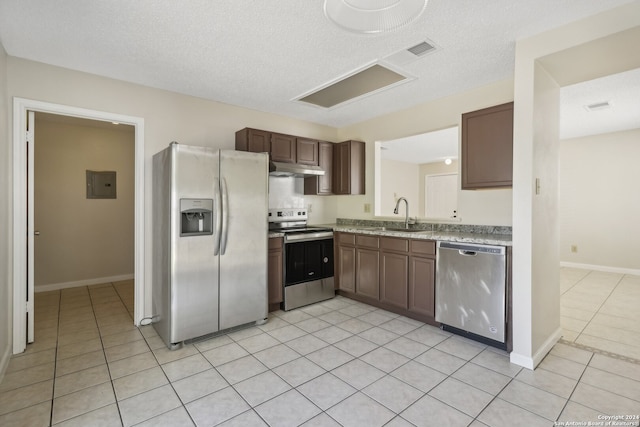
<point>294,169</point>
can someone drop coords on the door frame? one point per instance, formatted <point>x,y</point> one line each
<point>20,211</point>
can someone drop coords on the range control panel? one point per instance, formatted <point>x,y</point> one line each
<point>286,215</point>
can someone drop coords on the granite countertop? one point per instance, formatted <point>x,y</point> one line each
<point>448,236</point>
<point>471,234</point>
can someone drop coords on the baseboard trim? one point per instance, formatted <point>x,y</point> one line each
<point>603,268</point>
<point>531,362</point>
<point>86,282</point>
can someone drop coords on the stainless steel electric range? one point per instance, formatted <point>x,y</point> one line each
<point>308,258</point>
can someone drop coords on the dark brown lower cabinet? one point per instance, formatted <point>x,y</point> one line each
<point>422,278</point>
<point>368,273</point>
<point>421,286</point>
<point>394,269</point>
<point>346,263</point>
<point>392,273</point>
<point>274,277</point>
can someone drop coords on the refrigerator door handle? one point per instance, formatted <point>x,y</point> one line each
<point>225,217</point>
<point>218,212</point>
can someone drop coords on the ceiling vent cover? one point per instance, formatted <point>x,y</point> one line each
<point>421,49</point>
<point>413,53</point>
<point>598,106</point>
<point>362,83</point>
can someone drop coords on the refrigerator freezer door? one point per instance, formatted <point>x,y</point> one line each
<point>243,259</point>
<point>194,282</point>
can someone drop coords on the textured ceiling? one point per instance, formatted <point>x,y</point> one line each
<point>264,54</point>
<point>621,90</point>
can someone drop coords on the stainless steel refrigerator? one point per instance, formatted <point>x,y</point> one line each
<point>209,241</point>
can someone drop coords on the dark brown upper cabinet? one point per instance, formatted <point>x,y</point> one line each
<point>322,185</point>
<point>307,151</point>
<point>283,148</point>
<point>487,148</point>
<point>348,167</point>
<point>253,140</point>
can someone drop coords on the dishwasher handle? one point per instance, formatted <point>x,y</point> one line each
<point>472,249</point>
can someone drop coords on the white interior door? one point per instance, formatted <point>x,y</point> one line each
<point>441,196</point>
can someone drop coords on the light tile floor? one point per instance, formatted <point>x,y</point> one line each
<point>335,363</point>
<point>601,310</point>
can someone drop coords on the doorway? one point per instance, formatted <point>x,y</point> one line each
<point>82,238</point>
<point>24,231</point>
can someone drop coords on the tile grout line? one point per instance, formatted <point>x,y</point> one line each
<point>55,359</point>
<point>599,307</point>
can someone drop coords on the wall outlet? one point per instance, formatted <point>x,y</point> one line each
<point>367,208</point>
<point>574,248</point>
<point>309,208</point>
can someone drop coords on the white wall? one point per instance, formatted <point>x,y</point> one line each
<point>535,217</point>
<point>6,294</point>
<point>82,241</point>
<point>486,207</point>
<point>399,179</point>
<point>600,200</point>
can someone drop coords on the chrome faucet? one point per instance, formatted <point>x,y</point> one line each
<point>406,216</point>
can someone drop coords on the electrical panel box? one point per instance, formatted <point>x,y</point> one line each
<point>101,185</point>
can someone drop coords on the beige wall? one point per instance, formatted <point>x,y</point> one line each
<point>487,207</point>
<point>599,200</point>
<point>82,241</point>
<point>167,116</point>
<point>6,302</point>
<point>399,179</point>
<point>437,168</point>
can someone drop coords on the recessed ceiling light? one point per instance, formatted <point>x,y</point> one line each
<point>597,106</point>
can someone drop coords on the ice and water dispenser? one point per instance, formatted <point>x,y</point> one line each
<point>196,217</point>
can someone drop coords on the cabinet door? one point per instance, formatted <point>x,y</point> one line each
<point>307,151</point>
<point>347,268</point>
<point>325,161</point>
<point>422,285</point>
<point>283,148</point>
<point>487,148</point>
<point>341,160</point>
<point>368,273</point>
<point>349,166</point>
<point>275,270</point>
<point>394,275</point>
<point>253,140</point>
<point>322,185</point>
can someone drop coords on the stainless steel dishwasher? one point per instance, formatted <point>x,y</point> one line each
<point>471,291</point>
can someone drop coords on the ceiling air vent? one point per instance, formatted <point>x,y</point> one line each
<point>421,49</point>
<point>413,53</point>
<point>597,106</point>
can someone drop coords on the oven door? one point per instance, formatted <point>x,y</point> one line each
<point>308,260</point>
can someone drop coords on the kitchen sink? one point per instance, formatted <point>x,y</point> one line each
<point>404,230</point>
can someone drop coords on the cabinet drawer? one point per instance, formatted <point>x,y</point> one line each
<point>367,241</point>
<point>275,243</point>
<point>391,244</point>
<point>425,247</point>
<point>346,239</point>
